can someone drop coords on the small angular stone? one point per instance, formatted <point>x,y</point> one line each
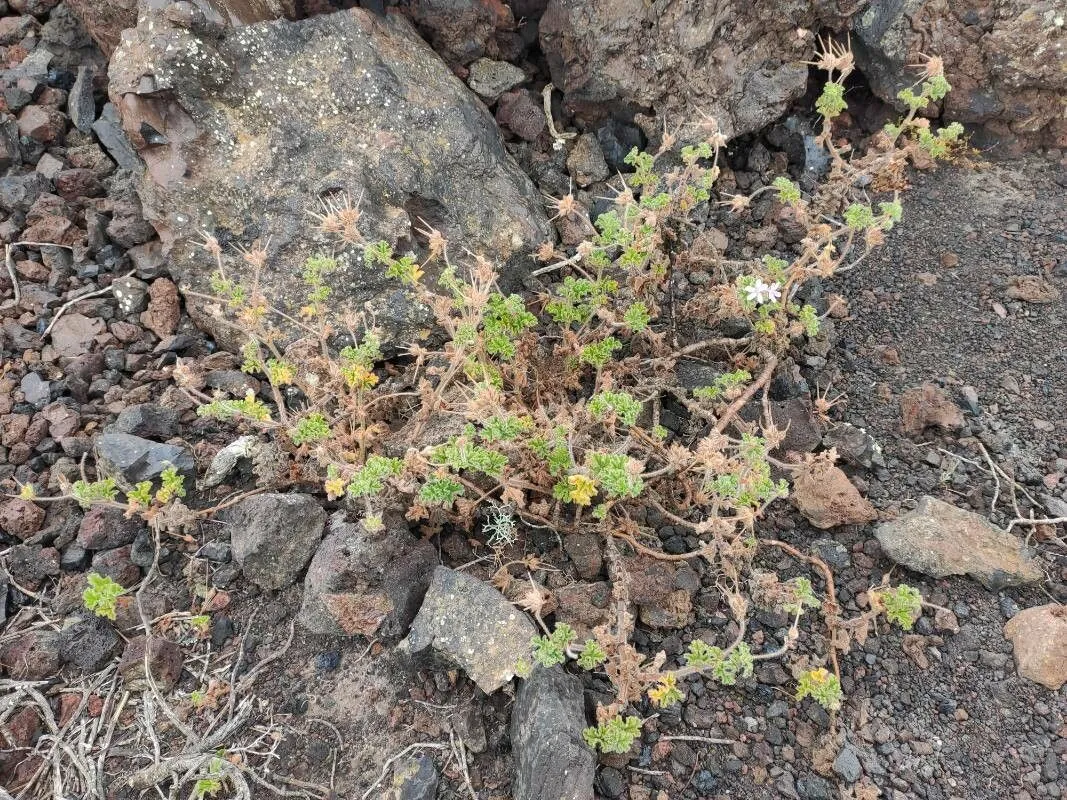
<point>164,663</point>
<point>274,536</point>
<point>1039,640</point>
<point>827,498</point>
<point>80,103</point>
<point>21,518</point>
<point>472,624</point>
<point>104,528</point>
<point>137,459</point>
<point>32,656</point>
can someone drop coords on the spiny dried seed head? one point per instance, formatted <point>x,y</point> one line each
<point>255,257</point>
<point>625,197</point>
<point>834,57</point>
<point>483,271</point>
<point>564,206</point>
<point>931,66</point>
<point>436,241</point>
<point>211,244</point>
<point>737,202</point>
<point>546,252</point>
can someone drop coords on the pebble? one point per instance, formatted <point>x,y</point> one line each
<point>847,765</point>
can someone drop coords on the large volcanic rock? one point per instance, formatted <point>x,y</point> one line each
<point>737,61</point>
<point>1005,60</point>
<point>243,132</point>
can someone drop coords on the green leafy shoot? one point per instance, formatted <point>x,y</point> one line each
<point>637,317</point>
<point>725,667</point>
<point>553,451</point>
<point>822,686</point>
<point>548,651</point>
<point>357,362</point>
<point>462,453</point>
<point>504,427</point>
<point>832,100</point>
<point>405,269</point>
<point>210,784</point>
<point>902,605</point>
<point>614,472</point>
<point>809,318</point>
<point>599,353</point>
<point>233,293</point>
<point>312,428</point>
<point>505,320</point>
<point>666,693</point>
<point>248,408</point>
<point>592,655</point>
<point>87,493</point>
<point>440,490</point>
<point>803,596</point>
<point>724,385</point>
<point>617,735</point>
<point>621,404</point>
<point>279,373</point>
<point>577,299</point>
<point>140,495</point>
<point>101,595</point>
<point>788,192</point>
<point>369,479</point>
<point>172,485</point>
<point>859,216</point>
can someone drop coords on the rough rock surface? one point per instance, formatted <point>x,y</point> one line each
<point>274,536</point>
<point>164,663</point>
<point>463,30</point>
<point>552,761</point>
<point>136,459</point>
<point>107,19</point>
<point>724,59</point>
<point>472,624</point>
<point>938,539</point>
<point>929,406</point>
<point>1039,638</point>
<point>350,104</point>
<point>827,498</point>
<point>414,778</point>
<point>364,583</point>
<point>1004,60</point>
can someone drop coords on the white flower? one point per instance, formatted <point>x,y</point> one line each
<point>760,292</point>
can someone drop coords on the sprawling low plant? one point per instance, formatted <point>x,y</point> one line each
<point>558,399</point>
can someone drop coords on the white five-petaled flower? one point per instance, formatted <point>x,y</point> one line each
<point>760,292</point>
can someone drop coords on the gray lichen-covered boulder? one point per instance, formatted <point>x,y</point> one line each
<point>473,625</point>
<point>245,131</point>
<point>368,583</point>
<point>552,761</point>
<point>274,536</point>
<point>1004,60</point>
<point>739,62</point>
